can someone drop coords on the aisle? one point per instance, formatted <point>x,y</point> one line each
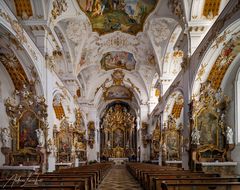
<point>119,178</point>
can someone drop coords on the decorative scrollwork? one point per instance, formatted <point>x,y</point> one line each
<point>91,133</point>
<point>59,6</point>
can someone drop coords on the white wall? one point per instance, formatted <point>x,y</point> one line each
<point>230,86</point>
<point>6,90</point>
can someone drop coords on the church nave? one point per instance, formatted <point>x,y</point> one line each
<point>119,178</point>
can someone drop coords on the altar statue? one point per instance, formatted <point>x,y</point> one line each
<point>229,133</point>
<point>195,136</point>
<point>40,137</point>
<point>5,137</point>
<point>49,145</point>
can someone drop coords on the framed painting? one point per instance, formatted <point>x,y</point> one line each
<point>118,60</point>
<point>27,125</point>
<point>207,124</point>
<point>118,138</point>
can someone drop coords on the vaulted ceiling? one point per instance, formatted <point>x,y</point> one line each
<point>89,40</point>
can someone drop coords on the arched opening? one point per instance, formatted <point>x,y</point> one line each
<point>172,130</point>
<point>118,132</point>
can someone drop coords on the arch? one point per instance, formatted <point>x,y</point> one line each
<point>118,129</point>
<point>172,54</point>
<point>155,92</point>
<point>220,48</point>
<point>237,106</point>
<point>173,107</point>
<point>25,51</point>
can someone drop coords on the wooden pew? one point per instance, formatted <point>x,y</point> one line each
<point>84,178</point>
<point>152,180</point>
<point>201,186</point>
<point>91,177</point>
<point>44,187</point>
<point>81,183</point>
<point>152,176</point>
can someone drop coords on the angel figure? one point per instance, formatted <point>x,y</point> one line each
<point>195,136</point>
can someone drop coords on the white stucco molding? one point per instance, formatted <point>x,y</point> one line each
<point>10,22</point>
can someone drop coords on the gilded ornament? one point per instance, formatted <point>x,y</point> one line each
<point>59,6</point>
<point>221,39</point>
<point>201,71</point>
<point>91,134</point>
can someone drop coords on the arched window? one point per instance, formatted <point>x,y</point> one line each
<point>237,106</point>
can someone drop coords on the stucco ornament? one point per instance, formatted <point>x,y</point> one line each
<point>59,6</point>
<point>76,31</point>
<point>160,31</point>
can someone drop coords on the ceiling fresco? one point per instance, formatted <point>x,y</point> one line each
<point>118,59</point>
<point>117,15</point>
<point>117,92</point>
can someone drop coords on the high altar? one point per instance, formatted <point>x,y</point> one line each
<point>118,133</point>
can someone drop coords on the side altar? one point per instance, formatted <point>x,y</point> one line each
<point>211,138</point>
<point>223,168</point>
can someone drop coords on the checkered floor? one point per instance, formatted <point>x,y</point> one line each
<point>119,178</point>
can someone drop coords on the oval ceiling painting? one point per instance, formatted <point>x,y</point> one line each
<point>117,15</point>
<point>118,60</point>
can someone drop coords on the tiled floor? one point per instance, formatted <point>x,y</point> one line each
<point>119,178</point>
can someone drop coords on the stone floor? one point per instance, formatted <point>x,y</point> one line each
<point>119,178</point>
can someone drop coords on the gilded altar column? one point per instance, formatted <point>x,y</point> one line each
<point>130,138</point>
<point>106,138</point>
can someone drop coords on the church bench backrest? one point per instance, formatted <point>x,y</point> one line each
<point>182,180</point>
<point>91,182</point>
<point>94,177</point>
<point>149,178</point>
<point>201,186</point>
<point>44,187</point>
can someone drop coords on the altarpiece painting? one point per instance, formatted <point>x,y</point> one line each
<point>27,126</point>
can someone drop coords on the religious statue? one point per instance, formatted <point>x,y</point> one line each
<point>40,137</point>
<point>5,137</point>
<point>171,122</point>
<point>109,144</point>
<point>229,135</point>
<point>73,149</point>
<point>195,136</point>
<point>49,146</point>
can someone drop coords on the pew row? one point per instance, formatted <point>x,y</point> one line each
<point>152,177</point>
